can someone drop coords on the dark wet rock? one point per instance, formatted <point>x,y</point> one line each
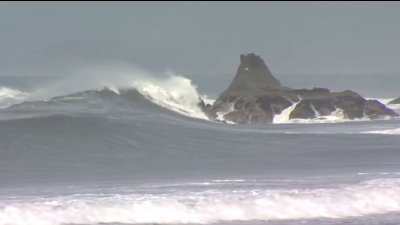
<point>375,109</point>
<point>207,109</point>
<point>256,96</point>
<point>253,74</point>
<point>303,110</point>
<point>395,101</point>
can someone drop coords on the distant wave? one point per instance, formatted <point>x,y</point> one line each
<point>386,131</point>
<point>371,197</point>
<point>9,96</point>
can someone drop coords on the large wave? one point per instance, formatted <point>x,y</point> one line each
<point>168,90</point>
<point>377,196</point>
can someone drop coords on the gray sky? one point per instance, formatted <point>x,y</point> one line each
<point>202,37</point>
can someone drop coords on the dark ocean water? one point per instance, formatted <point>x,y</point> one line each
<point>147,155</point>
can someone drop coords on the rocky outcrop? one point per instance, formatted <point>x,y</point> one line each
<point>256,96</point>
<point>395,101</point>
<point>253,74</point>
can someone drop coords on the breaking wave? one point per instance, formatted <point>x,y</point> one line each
<point>9,96</point>
<point>175,93</point>
<point>371,197</point>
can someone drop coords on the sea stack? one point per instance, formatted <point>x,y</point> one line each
<point>253,74</point>
<point>256,96</point>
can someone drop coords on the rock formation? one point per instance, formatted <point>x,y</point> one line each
<point>253,74</point>
<point>256,96</point>
<point>395,101</point>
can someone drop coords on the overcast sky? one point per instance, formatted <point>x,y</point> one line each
<point>202,37</point>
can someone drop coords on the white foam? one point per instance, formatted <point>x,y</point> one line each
<point>220,115</point>
<point>284,116</point>
<point>229,180</point>
<point>366,198</point>
<point>9,96</point>
<point>395,131</point>
<point>207,100</point>
<point>175,93</point>
<point>317,114</point>
<point>336,116</point>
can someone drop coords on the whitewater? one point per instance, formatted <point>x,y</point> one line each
<point>137,149</point>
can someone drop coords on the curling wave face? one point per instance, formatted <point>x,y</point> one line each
<point>176,93</point>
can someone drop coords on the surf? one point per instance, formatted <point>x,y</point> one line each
<point>208,206</point>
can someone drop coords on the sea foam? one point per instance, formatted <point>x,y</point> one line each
<point>175,93</point>
<point>371,197</point>
<point>395,131</point>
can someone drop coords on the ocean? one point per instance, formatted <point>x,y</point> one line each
<point>145,154</point>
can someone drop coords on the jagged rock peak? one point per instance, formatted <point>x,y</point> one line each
<point>251,60</point>
<point>253,74</point>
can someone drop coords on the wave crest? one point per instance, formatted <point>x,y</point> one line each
<point>175,93</point>
<point>9,96</point>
